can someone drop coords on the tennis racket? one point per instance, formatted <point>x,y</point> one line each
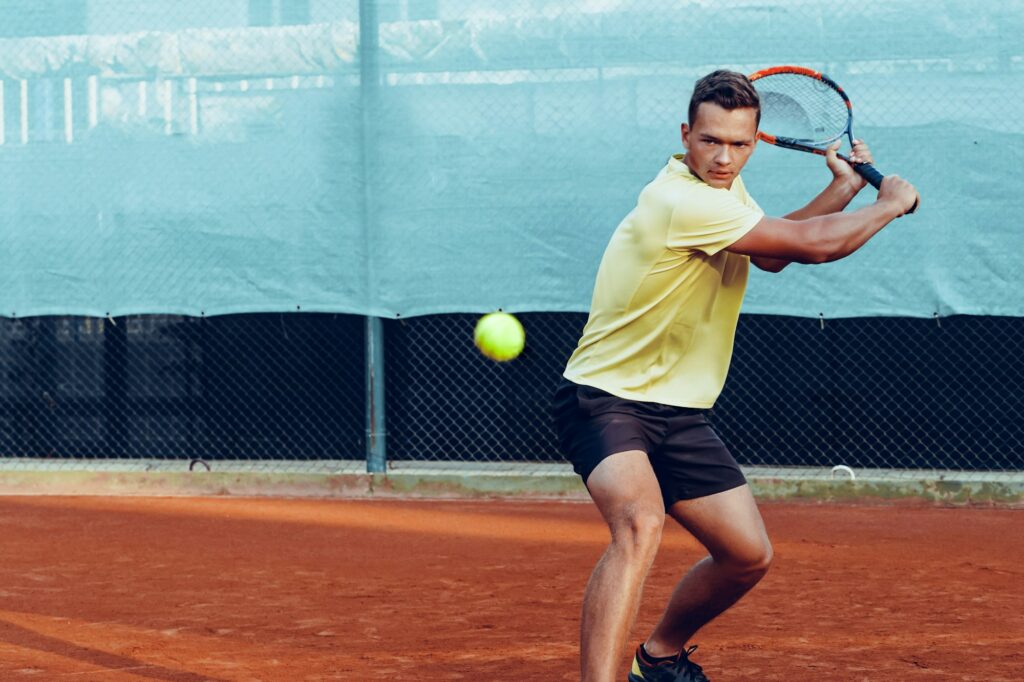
<point>806,110</point>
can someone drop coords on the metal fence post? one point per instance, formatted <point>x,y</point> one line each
<point>376,445</point>
<point>369,82</point>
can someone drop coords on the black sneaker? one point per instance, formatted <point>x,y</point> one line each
<point>678,669</point>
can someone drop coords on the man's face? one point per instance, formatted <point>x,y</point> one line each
<point>719,142</point>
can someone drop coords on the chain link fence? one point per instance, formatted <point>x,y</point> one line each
<point>885,393</point>
<point>264,155</point>
<point>280,392</point>
<point>78,391</point>
<point>269,155</point>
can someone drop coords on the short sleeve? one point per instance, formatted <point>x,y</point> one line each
<point>710,220</point>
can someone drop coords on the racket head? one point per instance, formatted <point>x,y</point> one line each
<point>801,108</point>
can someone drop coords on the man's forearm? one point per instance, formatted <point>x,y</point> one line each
<point>832,199</point>
<point>841,234</point>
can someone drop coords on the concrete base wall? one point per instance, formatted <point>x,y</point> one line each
<point>948,488</point>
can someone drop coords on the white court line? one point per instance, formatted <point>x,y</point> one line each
<point>93,98</point>
<point>24,112</point>
<point>69,121</point>
<point>193,107</point>
<point>168,110</point>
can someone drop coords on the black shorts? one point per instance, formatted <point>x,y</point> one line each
<point>688,457</point>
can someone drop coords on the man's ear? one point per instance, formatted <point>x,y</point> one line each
<point>684,131</point>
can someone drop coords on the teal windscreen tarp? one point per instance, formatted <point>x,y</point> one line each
<point>403,158</point>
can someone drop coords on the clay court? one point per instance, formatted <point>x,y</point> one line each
<point>190,589</point>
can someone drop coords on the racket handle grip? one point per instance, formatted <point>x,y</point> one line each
<point>871,174</point>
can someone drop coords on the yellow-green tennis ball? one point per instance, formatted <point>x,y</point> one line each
<point>499,336</point>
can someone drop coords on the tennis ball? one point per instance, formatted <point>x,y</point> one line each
<point>499,336</point>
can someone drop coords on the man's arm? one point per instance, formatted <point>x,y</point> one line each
<point>845,185</point>
<point>826,238</point>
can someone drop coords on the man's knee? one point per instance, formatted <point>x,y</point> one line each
<point>751,563</point>
<point>637,530</point>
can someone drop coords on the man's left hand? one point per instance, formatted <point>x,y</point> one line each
<point>842,171</point>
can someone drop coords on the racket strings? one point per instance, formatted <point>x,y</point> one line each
<point>801,108</point>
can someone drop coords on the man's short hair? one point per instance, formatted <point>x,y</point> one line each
<point>728,89</point>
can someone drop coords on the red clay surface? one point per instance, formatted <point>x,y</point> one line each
<point>245,589</point>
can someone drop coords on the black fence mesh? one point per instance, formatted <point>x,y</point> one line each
<point>273,390</point>
<point>876,392</point>
<point>245,387</point>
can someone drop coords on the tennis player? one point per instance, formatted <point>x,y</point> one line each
<point>630,411</point>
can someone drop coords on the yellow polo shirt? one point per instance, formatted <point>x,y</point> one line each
<point>668,296</point>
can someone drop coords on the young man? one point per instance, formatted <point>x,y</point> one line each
<point>654,356</point>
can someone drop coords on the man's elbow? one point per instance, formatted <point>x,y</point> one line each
<point>827,254</point>
<point>816,258</point>
<point>768,264</point>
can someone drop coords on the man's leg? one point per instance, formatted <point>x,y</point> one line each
<point>729,525</point>
<point>626,492</point>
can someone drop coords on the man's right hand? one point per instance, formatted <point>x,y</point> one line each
<point>900,193</point>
